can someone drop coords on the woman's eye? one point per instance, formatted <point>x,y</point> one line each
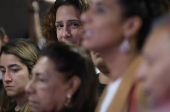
<point>74,25</point>
<point>15,70</point>
<point>100,10</point>
<point>59,26</point>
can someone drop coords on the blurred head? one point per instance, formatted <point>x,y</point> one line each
<point>63,20</point>
<point>62,70</point>
<point>108,22</point>
<point>154,72</point>
<point>17,60</point>
<point>3,37</point>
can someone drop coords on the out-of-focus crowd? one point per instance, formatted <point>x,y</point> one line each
<point>89,56</point>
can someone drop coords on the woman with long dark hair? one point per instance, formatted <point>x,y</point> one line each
<point>18,57</point>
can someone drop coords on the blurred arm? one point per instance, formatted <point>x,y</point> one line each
<point>34,27</point>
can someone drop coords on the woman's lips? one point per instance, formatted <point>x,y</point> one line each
<point>32,102</point>
<point>9,87</point>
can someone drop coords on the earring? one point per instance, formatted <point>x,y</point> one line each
<point>124,46</point>
<point>68,101</point>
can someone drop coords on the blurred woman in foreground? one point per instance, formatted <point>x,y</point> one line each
<point>154,71</point>
<point>63,80</point>
<point>117,29</point>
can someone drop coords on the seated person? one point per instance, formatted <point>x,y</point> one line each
<point>154,72</point>
<point>63,80</point>
<point>17,60</point>
<point>3,40</point>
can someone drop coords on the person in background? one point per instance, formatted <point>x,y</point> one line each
<point>3,40</point>
<point>34,22</point>
<point>18,57</point>
<point>34,27</point>
<point>62,22</point>
<point>117,29</point>
<point>154,72</point>
<point>3,37</point>
<point>63,80</point>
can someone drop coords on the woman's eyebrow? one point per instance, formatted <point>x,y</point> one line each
<point>12,65</point>
<point>9,66</point>
<point>2,66</point>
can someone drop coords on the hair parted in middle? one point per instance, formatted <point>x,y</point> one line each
<point>27,51</point>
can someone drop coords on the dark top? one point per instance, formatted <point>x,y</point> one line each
<point>13,110</point>
<point>101,88</point>
<point>1,85</point>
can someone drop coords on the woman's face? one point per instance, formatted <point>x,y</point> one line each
<point>15,75</point>
<point>103,25</point>
<point>47,89</point>
<point>68,24</point>
<point>154,71</point>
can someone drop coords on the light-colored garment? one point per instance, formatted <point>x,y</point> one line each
<point>111,91</point>
<point>120,102</point>
<point>97,70</point>
<point>0,76</point>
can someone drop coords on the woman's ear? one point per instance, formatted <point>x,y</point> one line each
<point>132,26</point>
<point>74,84</point>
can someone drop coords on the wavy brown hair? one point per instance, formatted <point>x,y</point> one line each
<point>48,23</point>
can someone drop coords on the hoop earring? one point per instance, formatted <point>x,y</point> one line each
<point>68,101</point>
<point>124,46</point>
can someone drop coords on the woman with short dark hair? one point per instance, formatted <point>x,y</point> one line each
<point>63,80</point>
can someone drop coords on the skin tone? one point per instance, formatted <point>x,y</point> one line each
<point>99,63</point>
<point>15,76</point>
<point>34,21</point>
<point>154,70</point>
<point>113,30</point>
<point>68,24</point>
<point>48,89</point>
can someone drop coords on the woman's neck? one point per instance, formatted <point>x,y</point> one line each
<point>116,62</point>
<point>21,100</point>
<point>103,78</point>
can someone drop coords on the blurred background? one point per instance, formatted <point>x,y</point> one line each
<point>14,16</point>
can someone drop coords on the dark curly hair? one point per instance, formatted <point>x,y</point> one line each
<point>48,24</point>
<point>147,10</point>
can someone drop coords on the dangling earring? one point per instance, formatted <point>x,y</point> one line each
<point>124,46</point>
<point>68,101</point>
